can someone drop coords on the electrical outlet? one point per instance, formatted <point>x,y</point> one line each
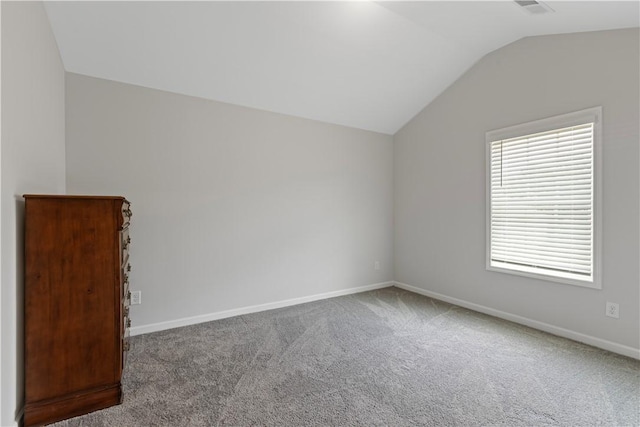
<point>376,265</point>
<point>613,310</point>
<point>136,297</point>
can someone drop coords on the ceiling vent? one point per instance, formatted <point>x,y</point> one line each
<point>534,7</point>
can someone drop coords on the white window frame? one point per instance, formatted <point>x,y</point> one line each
<point>589,115</point>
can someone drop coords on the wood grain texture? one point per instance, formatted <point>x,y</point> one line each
<point>74,305</point>
<point>49,411</point>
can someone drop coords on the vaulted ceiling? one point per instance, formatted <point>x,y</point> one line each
<point>369,65</point>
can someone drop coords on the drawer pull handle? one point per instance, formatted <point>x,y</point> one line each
<point>128,267</point>
<point>126,278</point>
<point>128,213</point>
<point>128,323</point>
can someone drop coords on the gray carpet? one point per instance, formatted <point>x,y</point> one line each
<point>386,357</point>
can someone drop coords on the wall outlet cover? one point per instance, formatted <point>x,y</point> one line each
<point>136,297</point>
<point>613,310</point>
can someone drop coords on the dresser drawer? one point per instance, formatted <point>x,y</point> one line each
<point>125,243</point>
<point>126,324</point>
<point>126,346</point>
<point>126,295</point>
<point>126,213</point>
<point>125,274</point>
<point>126,320</point>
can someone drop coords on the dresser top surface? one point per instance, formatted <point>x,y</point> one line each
<point>66,196</point>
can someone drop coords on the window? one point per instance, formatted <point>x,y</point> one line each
<point>543,197</point>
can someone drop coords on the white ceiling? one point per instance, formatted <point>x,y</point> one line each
<point>369,65</point>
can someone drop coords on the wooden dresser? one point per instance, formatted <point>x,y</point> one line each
<point>76,304</point>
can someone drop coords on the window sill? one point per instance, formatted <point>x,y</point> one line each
<point>531,272</point>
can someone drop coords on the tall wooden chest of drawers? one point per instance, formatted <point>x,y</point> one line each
<point>76,296</point>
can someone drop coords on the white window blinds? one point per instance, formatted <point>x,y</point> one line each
<point>542,202</point>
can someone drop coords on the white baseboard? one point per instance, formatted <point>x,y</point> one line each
<point>186,321</point>
<point>555,330</point>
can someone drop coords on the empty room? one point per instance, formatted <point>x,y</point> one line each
<point>323,213</point>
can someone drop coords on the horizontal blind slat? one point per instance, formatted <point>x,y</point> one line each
<point>540,260</point>
<point>505,242</point>
<point>550,260</point>
<point>545,268</point>
<point>542,236</point>
<point>552,231</point>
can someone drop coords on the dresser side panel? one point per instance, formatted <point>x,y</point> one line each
<point>70,307</point>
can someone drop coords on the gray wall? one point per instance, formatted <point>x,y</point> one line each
<point>232,207</point>
<point>440,179</point>
<point>33,161</point>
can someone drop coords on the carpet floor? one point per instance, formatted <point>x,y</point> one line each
<point>385,357</point>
